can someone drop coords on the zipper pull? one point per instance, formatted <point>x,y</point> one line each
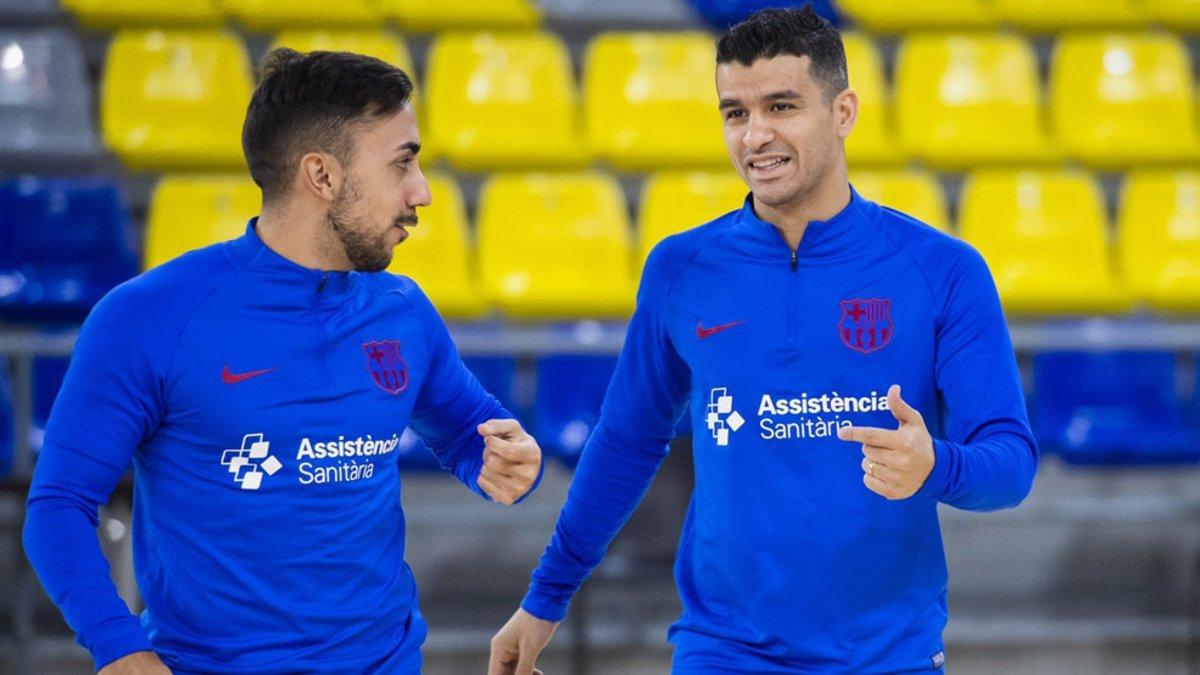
<point>793,260</point>
<point>324,278</point>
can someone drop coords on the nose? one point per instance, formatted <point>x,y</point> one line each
<point>758,133</point>
<point>420,195</point>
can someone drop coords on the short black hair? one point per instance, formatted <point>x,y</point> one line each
<point>307,102</point>
<point>800,32</point>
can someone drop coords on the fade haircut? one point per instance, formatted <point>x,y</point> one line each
<point>799,32</point>
<point>310,102</point>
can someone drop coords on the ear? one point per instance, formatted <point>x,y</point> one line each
<point>845,111</point>
<point>321,175</point>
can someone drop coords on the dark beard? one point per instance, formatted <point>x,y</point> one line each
<point>366,254</point>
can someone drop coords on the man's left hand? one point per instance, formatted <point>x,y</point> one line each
<point>895,462</point>
<point>511,460</point>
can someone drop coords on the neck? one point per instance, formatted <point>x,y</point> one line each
<point>823,202</point>
<point>301,236</point>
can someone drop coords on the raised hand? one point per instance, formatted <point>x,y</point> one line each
<point>511,460</point>
<point>895,462</point>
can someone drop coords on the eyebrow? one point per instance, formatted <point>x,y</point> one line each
<point>774,96</point>
<point>411,146</point>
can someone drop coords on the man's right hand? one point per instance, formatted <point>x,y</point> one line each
<point>516,647</point>
<point>137,663</point>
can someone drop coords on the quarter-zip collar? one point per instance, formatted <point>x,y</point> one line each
<point>333,286</point>
<point>843,234</point>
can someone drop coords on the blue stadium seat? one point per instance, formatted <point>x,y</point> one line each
<point>66,243</point>
<point>45,102</point>
<point>6,421</point>
<point>1195,393</point>
<point>570,389</point>
<point>496,374</point>
<point>1111,408</point>
<point>721,14</point>
<point>48,374</point>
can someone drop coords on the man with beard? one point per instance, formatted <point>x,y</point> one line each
<point>259,387</point>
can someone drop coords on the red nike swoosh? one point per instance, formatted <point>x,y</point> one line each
<point>233,378</point>
<point>705,333</point>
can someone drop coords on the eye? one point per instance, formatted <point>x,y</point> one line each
<point>733,114</point>
<point>782,106</point>
<point>403,164</point>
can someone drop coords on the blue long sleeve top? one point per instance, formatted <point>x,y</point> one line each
<point>787,562</point>
<point>260,404</point>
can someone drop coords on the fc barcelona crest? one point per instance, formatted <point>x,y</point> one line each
<point>386,365</point>
<point>866,325</point>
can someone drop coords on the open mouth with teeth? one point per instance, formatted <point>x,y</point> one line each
<point>768,164</point>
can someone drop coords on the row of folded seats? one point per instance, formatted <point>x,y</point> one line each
<point>1035,16</point>
<point>174,100</point>
<point>266,15</point>
<point>1115,408</point>
<point>429,15</point>
<point>549,246</point>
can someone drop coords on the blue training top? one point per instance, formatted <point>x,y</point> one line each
<point>787,562</point>
<point>262,404</point>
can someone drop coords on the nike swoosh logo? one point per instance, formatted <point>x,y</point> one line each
<point>233,378</point>
<point>705,333</point>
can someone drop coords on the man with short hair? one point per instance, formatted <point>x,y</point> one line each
<point>812,543</point>
<point>260,387</point>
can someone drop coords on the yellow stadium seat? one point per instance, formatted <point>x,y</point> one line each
<point>1121,100</point>
<point>191,212</point>
<point>1051,15</point>
<point>503,100</point>
<point>651,101</point>
<point>437,15</point>
<point>437,254</point>
<point>896,16</point>
<point>109,14</point>
<point>1159,236</point>
<point>1184,14</point>
<point>916,193</point>
<point>964,100</point>
<point>377,43</point>
<point>871,140</point>
<point>555,246</point>
<point>674,201</point>
<point>1045,239</point>
<point>265,15</point>
<point>175,99</point>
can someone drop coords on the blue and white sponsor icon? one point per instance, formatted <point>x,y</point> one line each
<point>249,462</point>
<point>720,417</point>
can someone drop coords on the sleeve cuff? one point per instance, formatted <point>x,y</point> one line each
<point>544,608</point>
<point>116,638</point>
<point>935,483</point>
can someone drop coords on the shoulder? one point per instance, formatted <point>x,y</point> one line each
<point>940,256</point>
<point>400,288</point>
<point>150,311</point>
<point>173,289</point>
<point>672,252</point>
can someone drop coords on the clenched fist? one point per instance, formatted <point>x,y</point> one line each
<point>895,462</point>
<point>511,460</point>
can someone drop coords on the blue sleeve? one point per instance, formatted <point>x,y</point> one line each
<point>111,399</point>
<point>452,403</point>
<point>988,457</point>
<point>645,398</point>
